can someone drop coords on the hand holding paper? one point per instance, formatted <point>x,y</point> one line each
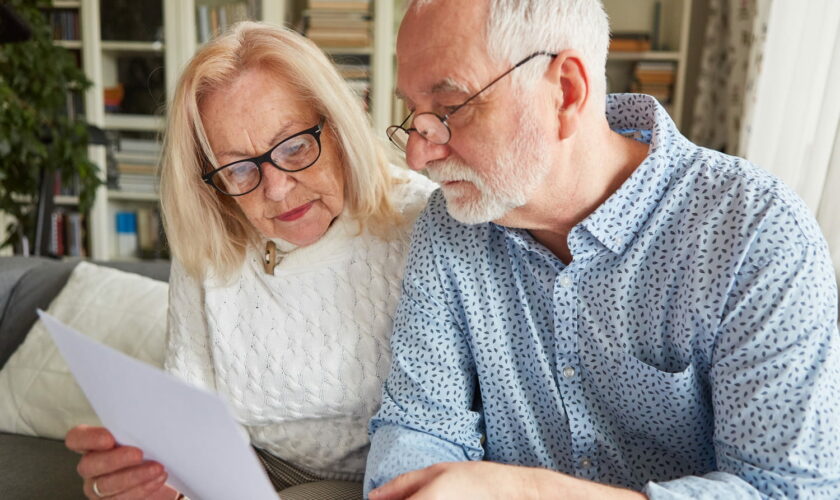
<point>188,430</point>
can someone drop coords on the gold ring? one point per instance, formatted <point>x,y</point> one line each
<point>96,490</point>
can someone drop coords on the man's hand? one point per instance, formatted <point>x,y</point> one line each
<point>488,480</point>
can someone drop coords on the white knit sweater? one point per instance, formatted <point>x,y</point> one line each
<point>301,355</point>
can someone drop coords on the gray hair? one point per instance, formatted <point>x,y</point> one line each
<point>518,28</point>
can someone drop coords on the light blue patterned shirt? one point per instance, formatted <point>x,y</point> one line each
<point>690,349</point>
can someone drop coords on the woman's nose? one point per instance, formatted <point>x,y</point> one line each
<point>276,184</point>
<point>419,152</point>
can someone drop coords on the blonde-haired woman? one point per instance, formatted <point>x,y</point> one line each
<point>288,231</point>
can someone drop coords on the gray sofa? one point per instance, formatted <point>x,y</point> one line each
<point>35,468</point>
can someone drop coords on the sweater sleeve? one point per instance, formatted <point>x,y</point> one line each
<point>189,354</point>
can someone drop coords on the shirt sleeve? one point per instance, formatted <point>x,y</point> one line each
<point>188,351</point>
<point>774,378</point>
<point>427,413</point>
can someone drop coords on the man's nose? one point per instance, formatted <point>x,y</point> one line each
<point>419,152</point>
<point>276,184</point>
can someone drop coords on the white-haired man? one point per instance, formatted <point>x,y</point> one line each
<point>589,296</point>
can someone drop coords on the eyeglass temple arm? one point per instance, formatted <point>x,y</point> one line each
<point>520,63</point>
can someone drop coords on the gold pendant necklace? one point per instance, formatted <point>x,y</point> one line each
<point>270,258</point>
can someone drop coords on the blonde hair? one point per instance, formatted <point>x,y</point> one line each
<point>206,230</point>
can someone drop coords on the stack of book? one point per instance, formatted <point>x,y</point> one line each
<point>655,78</point>
<point>65,24</point>
<point>356,71</point>
<point>338,23</point>
<point>140,234</point>
<point>212,20</point>
<point>137,162</point>
<point>630,42</point>
<point>67,233</point>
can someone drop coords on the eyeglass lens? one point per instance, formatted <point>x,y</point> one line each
<point>428,125</point>
<point>293,154</point>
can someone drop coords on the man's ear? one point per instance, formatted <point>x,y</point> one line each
<point>571,78</point>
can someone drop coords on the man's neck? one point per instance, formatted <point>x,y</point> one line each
<point>581,182</point>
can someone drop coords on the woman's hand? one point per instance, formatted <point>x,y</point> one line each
<point>113,471</point>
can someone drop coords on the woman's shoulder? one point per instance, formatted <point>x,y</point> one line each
<point>410,191</point>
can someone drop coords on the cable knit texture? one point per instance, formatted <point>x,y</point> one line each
<point>300,356</point>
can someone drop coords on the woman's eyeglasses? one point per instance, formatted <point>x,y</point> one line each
<point>293,154</point>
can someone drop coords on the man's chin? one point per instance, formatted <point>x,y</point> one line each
<point>473,211</point>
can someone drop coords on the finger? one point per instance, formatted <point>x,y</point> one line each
<point>83,438</point>
<point>136,482</point>
<point>405,485</point>
<point>100,463</point>
<point>155,489</point>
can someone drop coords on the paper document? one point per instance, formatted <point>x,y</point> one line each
<point>190,431</point>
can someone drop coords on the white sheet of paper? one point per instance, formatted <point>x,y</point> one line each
<point>190,431</point>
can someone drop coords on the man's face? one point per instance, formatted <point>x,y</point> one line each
<point>497,153</point>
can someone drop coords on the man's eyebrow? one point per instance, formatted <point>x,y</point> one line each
<point>447,85</point>
<point>450,85</point>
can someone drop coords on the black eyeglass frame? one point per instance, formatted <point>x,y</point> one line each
<point>390,131</point>
<point>266,157</point>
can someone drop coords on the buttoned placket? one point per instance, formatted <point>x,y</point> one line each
<point>569,371</point>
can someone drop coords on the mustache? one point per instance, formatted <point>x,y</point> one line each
<point>450,170</point>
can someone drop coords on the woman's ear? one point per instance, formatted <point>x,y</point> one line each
<point>569,74</point>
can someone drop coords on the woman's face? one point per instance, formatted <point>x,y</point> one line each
<point>248,118</point>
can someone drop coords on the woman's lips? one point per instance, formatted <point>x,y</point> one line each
<point>295,213</point>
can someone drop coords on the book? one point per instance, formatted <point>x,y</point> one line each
<point>630,42</point>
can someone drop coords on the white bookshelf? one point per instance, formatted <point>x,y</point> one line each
<point>674,26</point>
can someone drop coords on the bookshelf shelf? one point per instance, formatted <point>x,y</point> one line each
<point>66,200</point>
<point>69,44</point>
<point>651,55</point>
<point>117,195</point>
<point>348,50</point>
<point>140,123</point>
<point>120,46</point>
<point>664,26</point>
<point>66,4</point>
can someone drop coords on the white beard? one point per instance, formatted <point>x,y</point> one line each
<point>507,184</point>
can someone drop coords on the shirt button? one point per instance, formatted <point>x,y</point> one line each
<point>585,463</point>
<point>565,282</point>
<point>618,241</point>
<point>568,372</point>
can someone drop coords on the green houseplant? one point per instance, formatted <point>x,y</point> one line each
<point>36,133</point>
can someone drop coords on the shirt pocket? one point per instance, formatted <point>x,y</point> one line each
<point>666,410</point>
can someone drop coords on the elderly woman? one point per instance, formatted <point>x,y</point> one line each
<point>289,232</point>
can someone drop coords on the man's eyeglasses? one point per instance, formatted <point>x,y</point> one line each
<point>293,154</point>
<point>433,127</point>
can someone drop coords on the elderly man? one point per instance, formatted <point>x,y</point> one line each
<point>593,306</point>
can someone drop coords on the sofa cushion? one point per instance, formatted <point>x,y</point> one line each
<point>27,284</point>
<point>33,467</point>
<point>123,310</point>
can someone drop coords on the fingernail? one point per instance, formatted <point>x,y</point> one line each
<point>154,470</point>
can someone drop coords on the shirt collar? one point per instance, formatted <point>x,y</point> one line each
<point>617,221</point>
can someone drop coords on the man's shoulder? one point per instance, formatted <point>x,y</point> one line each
<point>737,191</point>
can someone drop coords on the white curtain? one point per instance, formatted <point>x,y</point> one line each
<point>792,121</point>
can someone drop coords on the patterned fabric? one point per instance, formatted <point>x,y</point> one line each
<point>324,490</point>
<point>283,474</point>
<point>733,46</point>
<point>300,356</point>
<point>690,349</point>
